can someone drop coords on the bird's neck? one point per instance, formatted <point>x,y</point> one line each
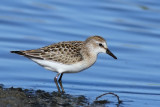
<point>88,55</point>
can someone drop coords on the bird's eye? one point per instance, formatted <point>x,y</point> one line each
<point>100,45</point>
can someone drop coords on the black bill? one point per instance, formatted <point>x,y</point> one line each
<point>110,53</point>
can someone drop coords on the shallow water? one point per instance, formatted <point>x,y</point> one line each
<point>131,29</point>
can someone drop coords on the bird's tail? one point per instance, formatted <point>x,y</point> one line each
<point>18,52</point>
<point>24,53</point>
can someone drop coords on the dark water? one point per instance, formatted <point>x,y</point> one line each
<point>131,29</point>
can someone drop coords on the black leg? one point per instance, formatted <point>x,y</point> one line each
<point>60,78</point>
<point>55,80</point>
<point>60,83</point>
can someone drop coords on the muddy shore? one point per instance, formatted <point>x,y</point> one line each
<point>18,97</point>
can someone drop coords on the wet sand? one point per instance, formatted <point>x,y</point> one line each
<point>18,97</point>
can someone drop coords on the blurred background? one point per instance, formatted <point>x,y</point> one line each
<point>132,31</point>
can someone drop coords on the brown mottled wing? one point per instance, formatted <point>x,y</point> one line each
<point>63,52</point>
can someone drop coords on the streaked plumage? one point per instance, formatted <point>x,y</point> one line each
<point>68,57</point>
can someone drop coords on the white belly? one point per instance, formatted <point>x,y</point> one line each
<point>62,68</point>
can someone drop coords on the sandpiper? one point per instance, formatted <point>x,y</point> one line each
<point>68,57</point>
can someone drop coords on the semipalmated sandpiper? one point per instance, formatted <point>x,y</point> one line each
<point>68,57</point>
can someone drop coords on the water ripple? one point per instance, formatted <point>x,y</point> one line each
<point>131,29</point>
